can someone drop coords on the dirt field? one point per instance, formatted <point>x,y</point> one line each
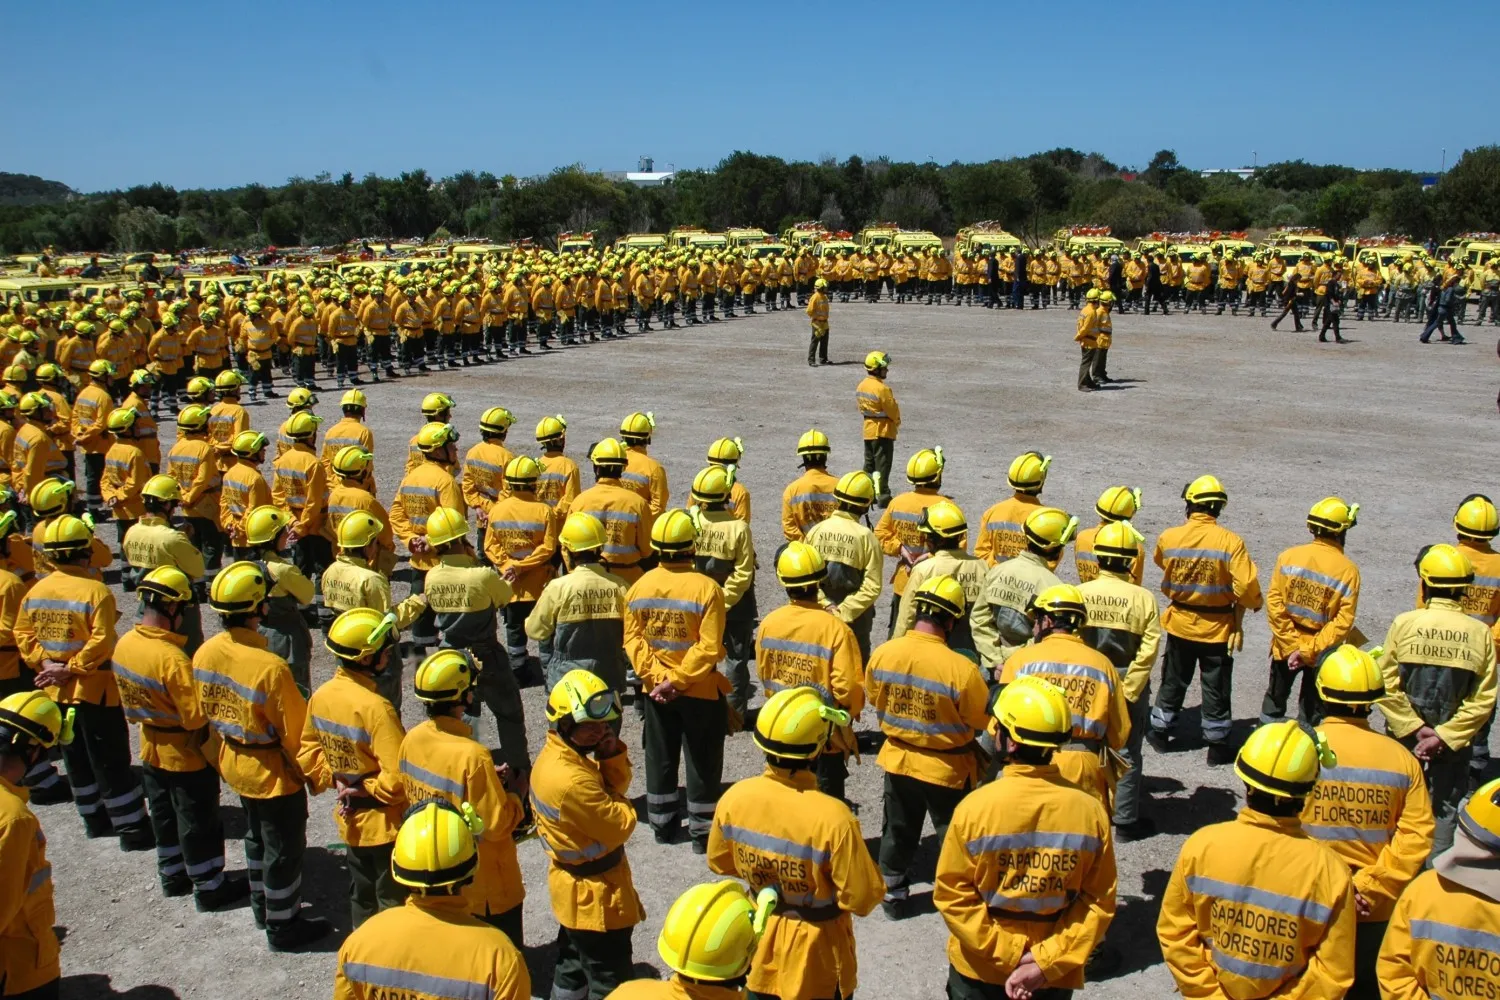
<point>1403,429</point>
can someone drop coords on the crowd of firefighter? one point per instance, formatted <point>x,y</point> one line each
<point>1011,708</point>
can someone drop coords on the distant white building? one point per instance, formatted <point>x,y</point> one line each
<point>1243,173</point>
<point>645,174</point>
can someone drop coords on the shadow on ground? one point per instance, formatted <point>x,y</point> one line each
<point>93,986</point>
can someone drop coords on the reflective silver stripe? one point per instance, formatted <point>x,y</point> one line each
<point>813,498</point>
<point>767,842</point>
<point>1310,614</point>
<point>290,892</point>
<point>1069,670</point>
<point>1303,573</point>
<point>203,676</point>
<point>805,648</point>
<point>1266,900</point>
<point>1033,838</point>
<point>56,604</point>
<point>431,778</point>
<point>203,868</point>
<point>1366,776</point>
<point>918,726</point>
<point>354,733</point>
<point>135,678</point>
<point>1250,970</point>
<point>666,604</point>
<point>1461,937</point>
<point>518,525</point>
<point>913,681</point>
<point>39,878</point>
<point>1026,904</point>
<point>418,982</point>
<point>121,801</point>
<point>671,645</point>
<point>1347,833</point>
<point>1218,555</point>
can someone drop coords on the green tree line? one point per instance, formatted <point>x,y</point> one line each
<point>1031,195</point>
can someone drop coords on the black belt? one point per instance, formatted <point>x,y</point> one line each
<point>955,751</point>
<point>811,914</point>
<point>1205,609</point>
<point>596,867</point>
<point>162,729</point>
<point>243,745</point>
<point>1040,918</point>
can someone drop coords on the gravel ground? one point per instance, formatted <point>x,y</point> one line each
<point>1279,418</point>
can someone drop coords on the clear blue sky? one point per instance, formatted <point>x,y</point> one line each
<point>106,94</point>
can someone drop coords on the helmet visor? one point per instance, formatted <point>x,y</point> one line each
<point>602,706</point>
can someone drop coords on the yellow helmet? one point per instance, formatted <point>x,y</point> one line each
<point>444,676</point>
<point>674,532</point>
<point>168,583</point>
<point>1444,566</point>
<point>264,523</point>
<point>435,846</point>
<point>856,489</point>
<point>877,361</point>
<point>712,485</point>
<point>944,519</point>
<point>31,717</point>
<point>637,428</point>
<point>726,451</point>
<point>360,633</point>
<point>435,437</point>
<point>550,429</point>
<point>800,565</point>
<point>355,398</point>
<point>228,380</point>
<point>1061,600</point>
<point>445,525</point>
<point>1479,816</point>
<point>302,425</point>
<point>1205,489</point>
<point>358,529</point>
<point>66,535</point>
<point>238,587</point>
<point>1118,540</point>
<point>795,723</point>
<point>50,496</point>
<point>121,419</point>
<point>435,403</point>
<point>711,931</point>
<point>1118,503</point>
<point>1028,472</point>
<point>300,398</point>
<point>1332,514</point>
<point>351,460</point>
<point>942,593</point>
<point>1049,528</point>
<point>813,442</point>
<point>103,369</point>
<point>192,418</point>
<point>522,472</point>
<point>1350,676</point>
<point>496,420</point>
<point>925,468</point>
<point>581,532</point>
<point>34,402</point>
<point>1280,759</point>
<point>1034,712</point>
<point>583,696</point>
<point>162,487</point>
<point>609,452</point>
<point>248,444</point>
<point>1476,518</point>
<point>199,388</point>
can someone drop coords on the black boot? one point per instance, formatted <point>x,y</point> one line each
<point>297,933</point>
